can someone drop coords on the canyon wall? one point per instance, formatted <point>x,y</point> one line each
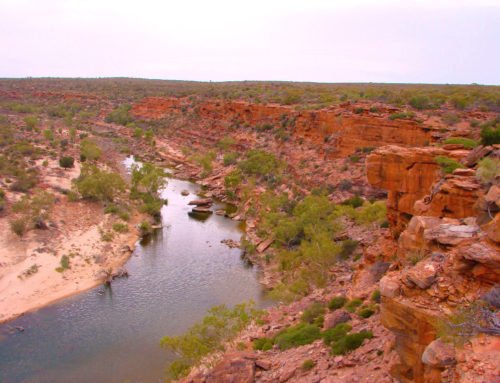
<point>340,130</point>
<point>448,257</point>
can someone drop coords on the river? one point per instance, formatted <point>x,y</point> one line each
<point>112,334</point>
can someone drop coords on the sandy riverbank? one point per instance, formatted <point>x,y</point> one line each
<point>28,275</point>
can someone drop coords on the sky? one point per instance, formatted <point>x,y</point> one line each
<point>409,41</point>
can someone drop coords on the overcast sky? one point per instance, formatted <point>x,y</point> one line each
<point>432,41</point>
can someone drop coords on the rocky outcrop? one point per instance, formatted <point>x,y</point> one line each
<point>416,187</point>
<point>340,129</point>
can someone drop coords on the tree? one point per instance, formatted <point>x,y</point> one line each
<point>148,177</point>
<point>89,150</point>
<point>94,183</point>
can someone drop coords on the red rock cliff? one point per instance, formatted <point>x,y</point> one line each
<point>341,128</point>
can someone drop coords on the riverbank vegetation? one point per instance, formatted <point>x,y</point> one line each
<point>209,335</point>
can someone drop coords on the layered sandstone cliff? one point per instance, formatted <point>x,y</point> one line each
<point>448,258</point>
<point>339,130</point>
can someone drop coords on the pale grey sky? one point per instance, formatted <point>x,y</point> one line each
<point>432,41</point>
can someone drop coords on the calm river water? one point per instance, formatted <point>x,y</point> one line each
<point>112,335</point>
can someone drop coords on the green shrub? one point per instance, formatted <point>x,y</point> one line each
<point>230,159</point>
<point>218,326</point>
<point>308,364</point>
<point>48,134</point>
<point>466,142</point>
<point>99,185</point>
<point>145,228</point>
<point>31,122</point>
<point>260,163</point>
<point>18,226</point>
<point>138,133</point>
<point>355,201</point>
<point>350,342</point>
<point>376,296</point>
<point>448,165</point>
<point>490,132</point>
<point>66,162</point>
<point>488,169</point>
<point>120,227</point>
<point>120,115</point>
<point>337,302</point>
<point>401,116</point>
<point>354,158</point>
<point>420,102</point>
<point>366,312</point>
<point>89,150</point>
<point>353,304</point>
<point>232,180</point>
<point>313,313</point>
<point>65,264</point>
<point>336,333</point>
<point>371,212</point>
<point>348,247</point>
<point>263,344</point>
<point>226,142</point>
<point>148,179</point>
<point>299,335</point>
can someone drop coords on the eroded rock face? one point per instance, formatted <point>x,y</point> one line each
<point>407,174</point>
<point>416,187</point>
<point>338,126</point>
<point>414,330</point>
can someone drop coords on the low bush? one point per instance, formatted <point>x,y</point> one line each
<point>101,185</point>
<point>353,304</point>
<point>230,159</point>
<point>263,344</point>
<point>490,132</point>
<point>120,115</point>
<point>145,228</point>
<point>308,364</point>
<point>218,326</point>
<point>314,314</point>
<point>120,227</point>
<point>89,150</point>
<point>488,169</point>
<point>66,162</point>
<point>65,264</point>
<point>466,142</point>
<point>401,116</point>
<point>376,296</point>
<point>336,333</point>
<point>365,312</point>
<point>348,247</point>
<point>337,302</point>
<point>355,201</point>
<point>448,165</point>
<point>299,335</point>
<point>371,212</point>
<point>18,226</point>
<point>350,342</point>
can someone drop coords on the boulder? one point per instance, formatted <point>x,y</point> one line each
<point>423,274</point>
<point>261,247</point>
<point>234,368</point>
<point>201,202</point>
<point>483,253</point>
<point>390,287</point>
<point>476,154</point>
<point>335,318</point>
<point>439,354</point>
<point>451,234</point>
<point>492,229</point>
